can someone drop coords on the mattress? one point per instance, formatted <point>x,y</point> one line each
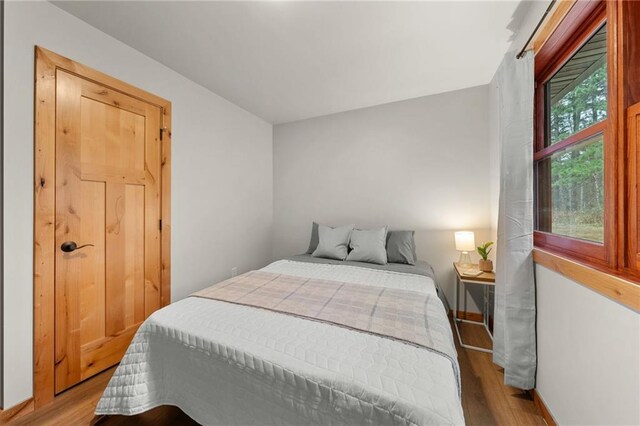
<point>227,364</point>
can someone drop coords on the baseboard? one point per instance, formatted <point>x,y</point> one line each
<point>546,414</point>
<point>471,316</point>
<point>16,411</point>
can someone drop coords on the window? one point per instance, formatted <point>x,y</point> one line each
<point>574,176</point>
<point>587,137</point>
<point>572,144</point>
<point>577,93</point>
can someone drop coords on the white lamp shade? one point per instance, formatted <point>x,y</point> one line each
<point>465,241</point>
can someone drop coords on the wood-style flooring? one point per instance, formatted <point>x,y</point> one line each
<point>485,399</point>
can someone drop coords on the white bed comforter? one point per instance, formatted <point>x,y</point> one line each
<point>227,364</point>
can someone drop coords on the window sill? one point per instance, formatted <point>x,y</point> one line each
<point>618,289</point>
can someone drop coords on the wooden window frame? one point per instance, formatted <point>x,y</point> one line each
<point>628,100</point>
<point>615,288</point>
<point>581,22</point>
<point>572,22</point>
<point>46,65</point>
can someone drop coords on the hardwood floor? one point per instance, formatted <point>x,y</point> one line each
<point>485,399</point>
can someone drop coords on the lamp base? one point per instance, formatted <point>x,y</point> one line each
<point>465,259</point>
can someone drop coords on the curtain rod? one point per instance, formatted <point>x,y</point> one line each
<point>519,55</point>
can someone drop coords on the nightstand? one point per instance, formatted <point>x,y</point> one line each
<point>486,280</point>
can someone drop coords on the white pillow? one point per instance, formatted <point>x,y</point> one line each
<point>333,242</point>
<point>369,245</point>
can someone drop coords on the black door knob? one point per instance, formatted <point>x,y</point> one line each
<point>69,246</point>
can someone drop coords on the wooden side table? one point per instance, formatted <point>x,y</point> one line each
<point>487,280</point>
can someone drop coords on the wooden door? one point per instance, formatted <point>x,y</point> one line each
<point>108,197</point>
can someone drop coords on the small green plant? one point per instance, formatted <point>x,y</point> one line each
<point>484,250</point>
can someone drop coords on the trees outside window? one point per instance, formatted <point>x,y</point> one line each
<point>570,169</point>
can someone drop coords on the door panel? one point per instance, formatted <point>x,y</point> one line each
<point>633,176</point>
<point>108,195</point>
<point>92,265</point>
<point>125,263</point>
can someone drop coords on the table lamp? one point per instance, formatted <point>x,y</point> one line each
<point>465,242</point>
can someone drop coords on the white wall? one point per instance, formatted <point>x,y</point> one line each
<point>588,354</point>
<point>419,164</point>
<point>222,171</point>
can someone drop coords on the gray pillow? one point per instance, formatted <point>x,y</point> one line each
<point>368,245</point>
<point>313,243</point>
<point>333,242</point>
<point>401,247</point>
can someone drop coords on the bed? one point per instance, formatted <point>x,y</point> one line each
<point>232,364</point>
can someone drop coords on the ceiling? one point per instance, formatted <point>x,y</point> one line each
<point>286,61</point>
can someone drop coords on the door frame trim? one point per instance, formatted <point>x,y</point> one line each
<point>46,64</point>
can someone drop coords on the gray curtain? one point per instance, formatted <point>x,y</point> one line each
<point>515,304</point>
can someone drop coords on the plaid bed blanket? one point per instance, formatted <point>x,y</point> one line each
<point>407,316</point>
